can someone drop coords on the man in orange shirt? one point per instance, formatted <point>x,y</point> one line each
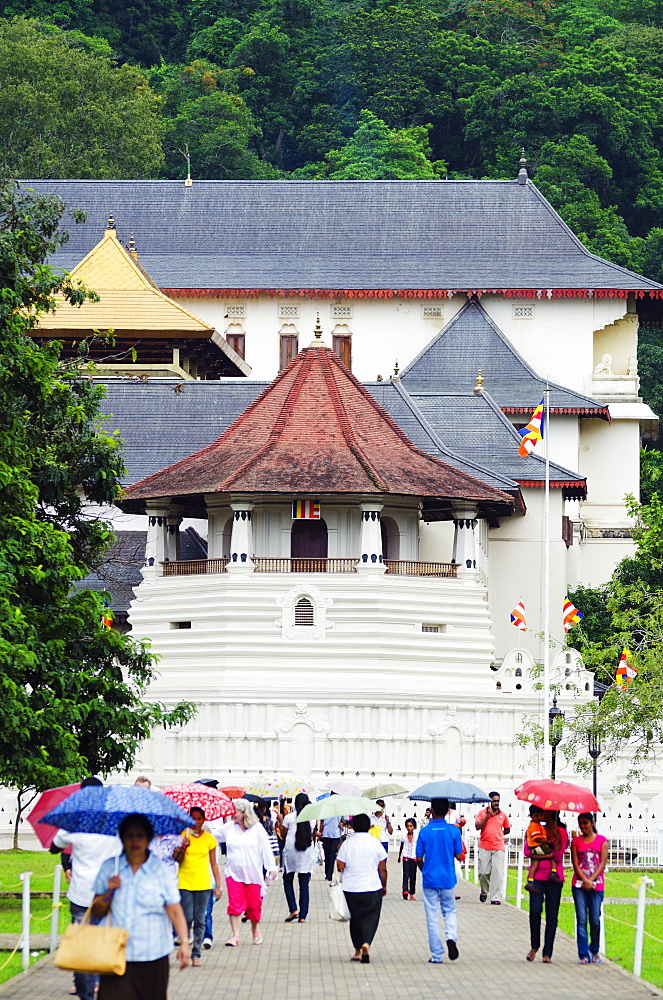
<point>493,825</point>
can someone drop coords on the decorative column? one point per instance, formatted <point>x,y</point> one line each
<point>155,549</point>
<point>370,543</point>
<point>173,521</point>
<point>464,550</point>
<point>241,542</point>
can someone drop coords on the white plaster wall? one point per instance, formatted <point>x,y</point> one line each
<point>610,459</point>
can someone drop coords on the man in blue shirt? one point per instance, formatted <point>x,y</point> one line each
<point>438,844</point>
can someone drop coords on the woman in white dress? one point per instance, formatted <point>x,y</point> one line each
<point>299,858</point>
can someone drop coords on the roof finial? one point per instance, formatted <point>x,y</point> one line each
<point>187,156</point>
<point>111,223</point>
<point>132,247</point>
<point>396,376</point>
<point>317,330</point>
<point>478,388</point>
<point>522,173</point>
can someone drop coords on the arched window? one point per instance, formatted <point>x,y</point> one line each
<point>568,657</point>
<point>308,542</point>
<point>391,538</point>
<point>519,672</point>
<point>304,612</point>
<point>227,537</point>
<point>499,685</point>
<point>519,657</point>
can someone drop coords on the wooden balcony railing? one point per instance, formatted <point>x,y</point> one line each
<point>194,567</point>
<point>405,567</point>
<point>395,567</point>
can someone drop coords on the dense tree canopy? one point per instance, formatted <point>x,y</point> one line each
<point>72,690</point>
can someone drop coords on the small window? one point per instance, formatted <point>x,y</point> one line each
<point>343,347</point>
<point>304,612</point>
<point>568,657</point>
<point>499,685</point>
<point>519,672</point>
<point>180,624</point>
<point>341,312</point>
<point>236,341</point>
<point>288,349</point>
<point>431,312</point>
<point>288,312</point>
<point>523,312</point>
<point>235,312</point>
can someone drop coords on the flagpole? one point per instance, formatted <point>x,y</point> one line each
<point>546,591</point>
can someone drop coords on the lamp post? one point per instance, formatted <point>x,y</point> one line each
<point>594,753</point>
<point>555,727</point>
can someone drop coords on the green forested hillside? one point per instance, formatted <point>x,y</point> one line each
<point>350,88</point>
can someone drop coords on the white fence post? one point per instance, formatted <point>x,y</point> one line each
<point>519,877</point>
<point>55,912</point>
<point>643,882</point>
<point>476,860</point>
<point>25,919</point>
<point>602,934</point>
<point>505,873</point>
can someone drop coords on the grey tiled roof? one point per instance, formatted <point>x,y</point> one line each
<point>471,341</point>
<point>475,426</point>
<point>339,234</point>
<point>160,426</point>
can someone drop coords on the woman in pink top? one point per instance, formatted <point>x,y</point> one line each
<point>546,892</point>
<point>589,854</point>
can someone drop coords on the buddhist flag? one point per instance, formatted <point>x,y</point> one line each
<point>625,672</point>
<point>570,614</point>
<point>307,509</point>
<point>518,617</point>
<point>107,618</point>
<point>533,433</point>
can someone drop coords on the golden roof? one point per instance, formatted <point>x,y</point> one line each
<point>130,302</point>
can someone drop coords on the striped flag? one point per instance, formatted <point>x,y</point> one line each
<point>307,509</point>
<point>533,433</point>
<point>570,615</point>
<point>518,617</point>
<point>107,618</point>
<point>625,672</point>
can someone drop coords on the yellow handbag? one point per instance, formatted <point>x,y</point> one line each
<point>98,948</point>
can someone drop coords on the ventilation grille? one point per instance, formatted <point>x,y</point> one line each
<point>236,312</point>
<point>431,312</point>
<point>432,628</point>
<point>304,613</point>
<point>341,312</point>
<point>523,312</point>
<point>288,312</point>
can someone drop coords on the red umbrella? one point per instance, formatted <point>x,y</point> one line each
<point>48,800</point>
<point>233,791</point>
<point>212,801</point>
<point>550,794</point>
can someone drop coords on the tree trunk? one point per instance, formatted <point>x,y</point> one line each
<point>21,806</point>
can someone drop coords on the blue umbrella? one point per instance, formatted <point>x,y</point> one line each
<point>98,809</point>
<point>455,791</point>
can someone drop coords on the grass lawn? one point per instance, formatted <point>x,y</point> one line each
<point>619,920</point>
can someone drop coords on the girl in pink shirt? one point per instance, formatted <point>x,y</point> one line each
<point>589,854</point>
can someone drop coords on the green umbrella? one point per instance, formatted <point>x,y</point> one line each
<point>382,791</point>
<point>336,805</point>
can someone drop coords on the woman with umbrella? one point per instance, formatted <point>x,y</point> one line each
<point>197,860</point>
<point>547,892</point>
<point>142,896</point>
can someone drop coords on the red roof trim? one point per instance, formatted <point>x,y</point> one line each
<point>558,484</point>
<point>412,293</point>
<point>584,411</point>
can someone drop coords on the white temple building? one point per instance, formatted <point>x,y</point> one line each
<point>373,640</point>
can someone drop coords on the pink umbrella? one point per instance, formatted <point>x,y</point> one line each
<point>48,800</point>
<point>547,793</point>
<point>214,803</point>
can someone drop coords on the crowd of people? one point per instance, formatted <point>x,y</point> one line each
<point>162,889</point>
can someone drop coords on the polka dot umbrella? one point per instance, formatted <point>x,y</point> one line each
<point>278,786</point>
<point>214,803</point>
<point>547,793</point>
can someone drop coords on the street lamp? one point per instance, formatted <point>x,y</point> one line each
<point>555,727</point>
<point>594,753</point>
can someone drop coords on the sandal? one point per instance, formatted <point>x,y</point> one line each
<point>596,959</point>
<point>232,942</point>
<point>196,962</point>
<point>547,959</point>
<point>289,920</point>
<point>583,961</point>
<point>531,955</point>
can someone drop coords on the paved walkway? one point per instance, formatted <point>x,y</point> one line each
<point>311,961</point>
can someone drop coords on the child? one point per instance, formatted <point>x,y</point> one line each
<point>540,846</point>
<point>408,852</point>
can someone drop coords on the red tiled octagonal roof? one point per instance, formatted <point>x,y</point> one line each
<point>314,430</point>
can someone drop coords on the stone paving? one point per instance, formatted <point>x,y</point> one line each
<point>311,961</point>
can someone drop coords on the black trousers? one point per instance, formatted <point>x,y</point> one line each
<point>410,875</point>
<point>141,981</point>
<point>550,894</point>
<point>364,910</point>
<point>330,847</point>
